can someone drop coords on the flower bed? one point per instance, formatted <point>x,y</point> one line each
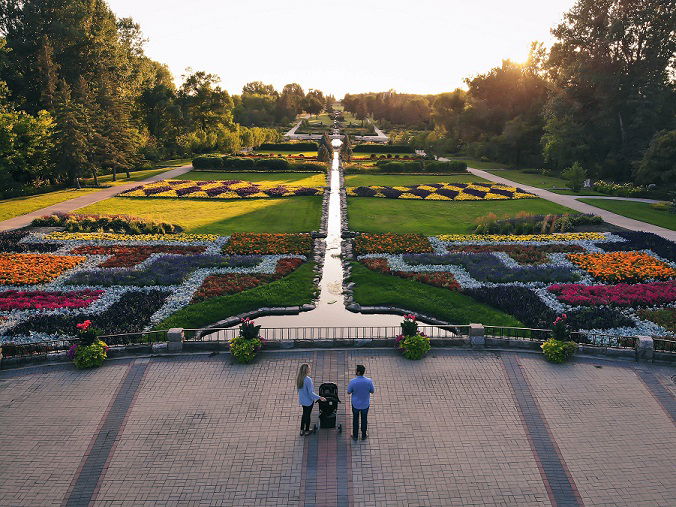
<point>30,269</point>
<point>268,244</point>
<point>391,243</point>
<point>221,285</point>
<point>127,256</point>
<point>139,238</point>
<point>524,254</point>
<point>486,267</point>
<point>443,192</point>
<point>108,223</point>
<point>226,189</point>
<point>623,266</point>
<point>10,242</point>
<point>643,241</point>
<point>519,238</point>
<point>441,279</point>
<point>166,270</point>
<point>37,300</point>
<point>644,294</point>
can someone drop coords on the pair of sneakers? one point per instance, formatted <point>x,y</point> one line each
<point>363,437</point>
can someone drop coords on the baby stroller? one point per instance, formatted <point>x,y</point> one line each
<point>328,408</point>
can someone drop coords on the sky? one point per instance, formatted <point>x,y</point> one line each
<point>414,46</point>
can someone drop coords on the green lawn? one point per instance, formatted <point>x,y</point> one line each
<point>539,181</point>
<point>16,206</point>
<point>292,214</point>
<point>306,180</point>
<point>376,289</point>
<point>295,289</point>
<point>356,180</point>
<point>636,210</point>
<point>370,214</point>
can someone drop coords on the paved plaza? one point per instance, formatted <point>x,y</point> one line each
<point>457,428</point>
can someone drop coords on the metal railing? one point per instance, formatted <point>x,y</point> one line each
<point>517,333</point>
<point>326,333</point>
<point>144,338</point>
<point>664,345</point>
<point>606,341</point>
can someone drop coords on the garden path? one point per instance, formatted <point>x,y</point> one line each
<point>86,200</point>
<point>571,202</point>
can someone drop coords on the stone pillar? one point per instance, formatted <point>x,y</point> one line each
<point>645,348</point>
<point>477,335</point>
<point>175,339</point>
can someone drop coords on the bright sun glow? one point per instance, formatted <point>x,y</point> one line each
<point>427,46</point>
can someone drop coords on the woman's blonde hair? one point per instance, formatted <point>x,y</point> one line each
<point>302,373</point>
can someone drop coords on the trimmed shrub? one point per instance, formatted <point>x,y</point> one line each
<point>305,146</point>
<point>382,148</point>
<point>273,164</point>
<point>558,351</point>
<point>207,163</point>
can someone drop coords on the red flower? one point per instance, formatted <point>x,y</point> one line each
<point>84,325</point>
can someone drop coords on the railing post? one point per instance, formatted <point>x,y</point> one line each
<point>477,335</point>
<point>645,348</point>
<point>175,338</point>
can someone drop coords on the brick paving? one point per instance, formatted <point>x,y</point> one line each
<point>458,428</point>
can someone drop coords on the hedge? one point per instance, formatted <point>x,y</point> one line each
<point>229,163</point>
<point>383,148</point>
<point>309,146</point>
<point>418,166</point>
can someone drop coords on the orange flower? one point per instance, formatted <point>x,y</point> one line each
<point>29,269</point>
<point>623,267</point>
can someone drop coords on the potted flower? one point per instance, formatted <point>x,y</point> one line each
<point>559,348</point>
<point>412,343</point>
<point>89,352</point>
<point>245,346</point>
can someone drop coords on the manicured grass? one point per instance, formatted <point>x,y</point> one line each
<point>375,289</point>
<point>306,180</point>
<point>539,181</point>
<point>356,180</point>
<point>370,214</point>
<point>295,289</point>
<point>16,206</point>
<point>636,210</point>
<point>292,214</point>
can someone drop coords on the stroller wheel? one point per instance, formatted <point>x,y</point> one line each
<point>314,430</point>
<point>340,428</point>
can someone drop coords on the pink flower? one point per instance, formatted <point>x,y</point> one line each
<point>84,325</point>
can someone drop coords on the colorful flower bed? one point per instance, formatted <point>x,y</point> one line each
<point>24,300</point>
<point>391,243</point>
<point>129,283</point>
<point>268,244</point>
<point>226,189</point>
<point>127,256</point>
<point>441,279</point>
<point>642,241</point>
<point>12,241</point>
<point>522,238</point>
<point>623,266</point>
<point>649,294</point>
<point>140,238</point>
<point>524,254</point>
<point>443,192</point>
<point>30,269</point>
<point>516,275</point>
<point>221,285</point>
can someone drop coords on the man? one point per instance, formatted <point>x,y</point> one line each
<point>360,388</point>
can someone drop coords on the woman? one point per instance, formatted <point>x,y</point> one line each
<point>306,396</point>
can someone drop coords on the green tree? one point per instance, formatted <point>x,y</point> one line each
<point>575,175</point>
<point>72,136</point>
<point>346,149</point>
<point>658,164</point>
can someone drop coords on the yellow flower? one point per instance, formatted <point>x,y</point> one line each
<point>557,237</point>
<point>199,193</point>
<point>437,197</point>
<point>402,189</point>
<point>167,193</point>
<point>135,193</point>
<point>257,194</point>
<point>406,195</point>
<point>491,196</point>
<point>228,195</point>
<point>466,197</point>
<point>111,236</point>
<point>428,188</point>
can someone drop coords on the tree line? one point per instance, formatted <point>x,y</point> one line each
<point>78,97</point>
<point>603,95</point>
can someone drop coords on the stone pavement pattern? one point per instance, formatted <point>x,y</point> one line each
<point>87,199</point>
<point>571,202</point>
<point>454,429</point>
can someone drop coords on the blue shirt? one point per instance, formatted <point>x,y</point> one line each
<point>306,394</point>
<point>361,388</point>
